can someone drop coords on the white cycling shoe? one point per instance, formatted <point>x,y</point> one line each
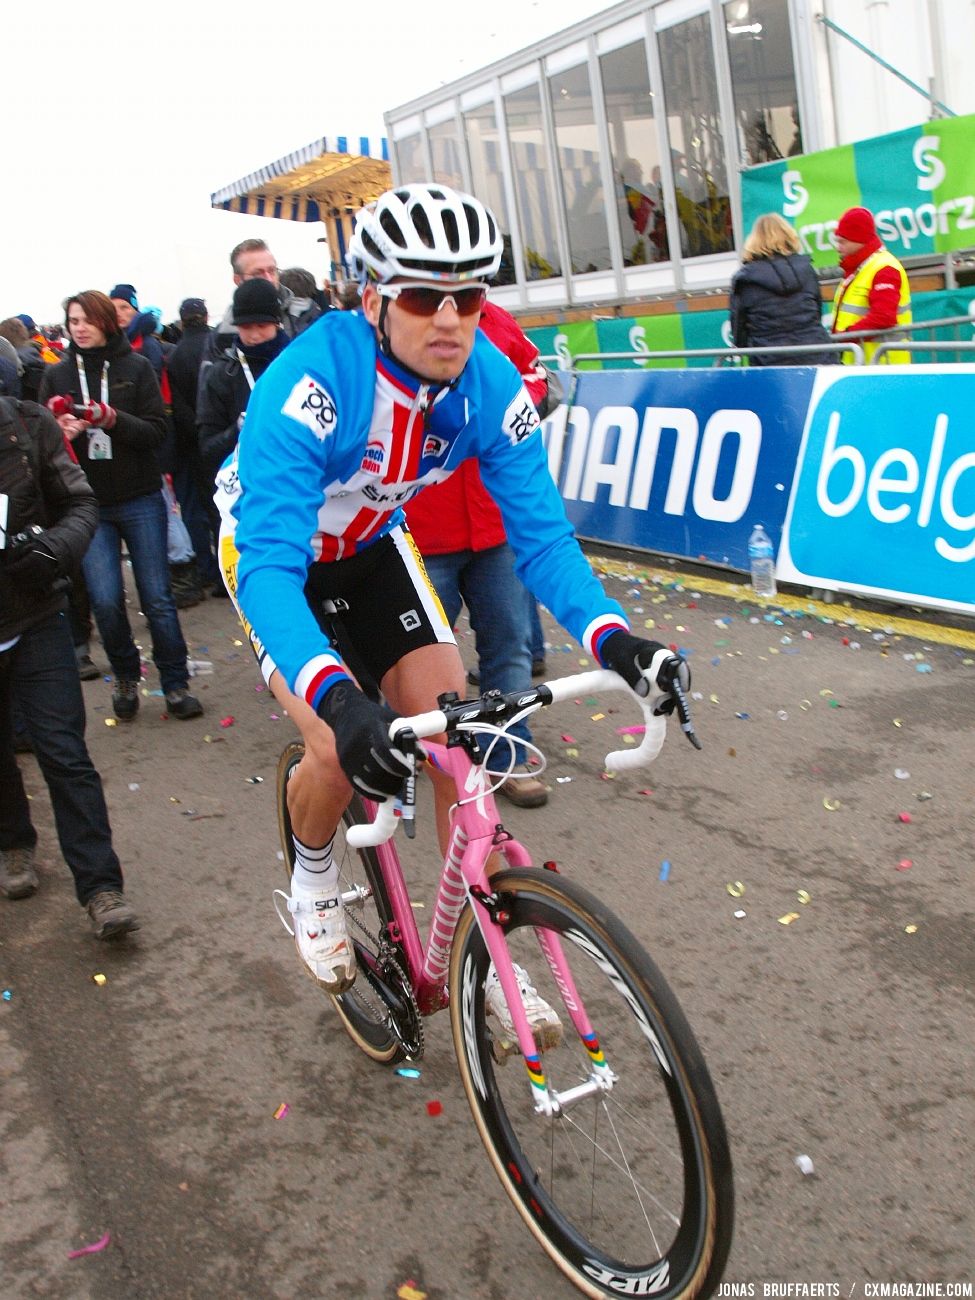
<point>545,1024</point>
<point>320,935</point>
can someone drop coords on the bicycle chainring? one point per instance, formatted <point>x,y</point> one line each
<point>389,992</point>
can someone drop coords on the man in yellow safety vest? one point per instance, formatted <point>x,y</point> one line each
<point>875,295</point>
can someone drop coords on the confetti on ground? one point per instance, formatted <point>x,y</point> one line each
<point>804,896</point>
<point>905,864</point>
<point>831,805</point>
<point>110,722</point>
<point>434,1108</point>
<point>902,774</point>
<point>282,1110</point>
<point>740,914</point>
<point>407,1072</point>
<point>665,870</point>
<point>910,929</point>
<point>254,780</point>
<point>924,795</point>
<point>735,888</point>
<point>598,717</point>
<point>228,721</point>
<point>804,1165</point>
<point>788,918</point>
<point>569,740</point>
<point>630,731</point>
<point>92,1249</point>
<point>904,817</point>
<point>100,979</point>
<point>133,785</point>
<point>7,995</point>
<point>408,1291</point>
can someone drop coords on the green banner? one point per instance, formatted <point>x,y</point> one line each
<point>918,183</point>
<point>710,329</point>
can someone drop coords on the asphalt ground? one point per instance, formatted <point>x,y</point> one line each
<point>831,806</point>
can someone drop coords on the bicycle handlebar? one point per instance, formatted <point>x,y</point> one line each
<point>435,721</point>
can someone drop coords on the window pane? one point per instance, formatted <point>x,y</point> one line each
<point>578,169</point>
<point>409,160</point>
<point>764,80</point>
<point>445,151</point>
<point>484,148</point>
<point>636,155</point>
<point>530,161</point>
<point>694,130</point>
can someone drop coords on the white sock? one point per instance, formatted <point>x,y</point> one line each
<point>314,868</point>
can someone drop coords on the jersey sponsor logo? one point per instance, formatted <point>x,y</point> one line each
<point>433,446</point>
<point>410,620</point>
<point>390,499</point>
<point>313,406</point>
<point>521,418</point>
<point>372,458</point>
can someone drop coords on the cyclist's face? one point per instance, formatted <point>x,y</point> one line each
<point>436,347</point>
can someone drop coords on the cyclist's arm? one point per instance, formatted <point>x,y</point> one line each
<point>285,462</point>
<point>548,558</point>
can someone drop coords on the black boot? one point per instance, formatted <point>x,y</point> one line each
<point>184,579</point>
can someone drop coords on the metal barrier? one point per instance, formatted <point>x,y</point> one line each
<point>919,345</point>
<point>852,343</point>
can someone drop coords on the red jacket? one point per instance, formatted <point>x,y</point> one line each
<point>459,514</point>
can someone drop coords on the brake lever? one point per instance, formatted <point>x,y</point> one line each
<point>684,713</point>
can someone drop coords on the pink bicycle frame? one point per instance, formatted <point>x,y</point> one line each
<point>475,834</point>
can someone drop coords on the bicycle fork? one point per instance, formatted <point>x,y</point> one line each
<point>491,918</point>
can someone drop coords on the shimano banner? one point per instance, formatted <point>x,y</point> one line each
<point>864,480</point>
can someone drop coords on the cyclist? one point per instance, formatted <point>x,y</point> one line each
<point>344,427</point>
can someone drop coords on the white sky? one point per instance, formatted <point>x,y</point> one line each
<point>122,118</point>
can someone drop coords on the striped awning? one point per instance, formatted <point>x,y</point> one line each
<point>330,176</point>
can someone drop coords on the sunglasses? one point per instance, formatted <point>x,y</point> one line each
<point>424,300</point>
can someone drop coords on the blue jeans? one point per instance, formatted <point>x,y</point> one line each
<point>141,524</point>
<point>40,675</point>
<point>186,481</point>
<point>498,606</point>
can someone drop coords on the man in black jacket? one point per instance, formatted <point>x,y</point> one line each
<point>48,516</point>
<point>193,491</point>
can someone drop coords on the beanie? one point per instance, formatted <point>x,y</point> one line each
<point>127,294</point>
<point>27,322</point>
<point>190,307</point>
<point>256,303</point>
<point>856,225</point>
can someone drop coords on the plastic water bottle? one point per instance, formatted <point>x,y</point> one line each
<point>761,557</point>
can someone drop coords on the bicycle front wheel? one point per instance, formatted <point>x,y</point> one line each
<point>364,1013</point>
<point>627,1187</point>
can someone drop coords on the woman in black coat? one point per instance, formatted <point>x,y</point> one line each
<point>775,297</point>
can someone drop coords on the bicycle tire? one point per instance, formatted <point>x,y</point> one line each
<point>363,1017</point>
<point>647,1208</point>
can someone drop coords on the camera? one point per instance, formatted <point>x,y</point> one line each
<point>25,538</point>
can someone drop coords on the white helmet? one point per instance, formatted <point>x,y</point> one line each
<point>427,232</point>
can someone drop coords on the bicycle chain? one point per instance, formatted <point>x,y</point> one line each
<point>411,1036</point>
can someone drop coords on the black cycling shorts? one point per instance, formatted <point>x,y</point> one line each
<point>392,606</point>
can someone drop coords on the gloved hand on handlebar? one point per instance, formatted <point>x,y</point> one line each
<point>631,657</point>
<point>376,768</point>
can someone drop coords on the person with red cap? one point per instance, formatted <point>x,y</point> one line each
<point>875,295</point>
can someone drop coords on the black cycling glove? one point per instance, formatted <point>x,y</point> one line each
<point>631,655</point>
<point>368,757</point>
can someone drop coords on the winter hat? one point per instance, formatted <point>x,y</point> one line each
<point>856,225</point>
<point>27,322</point>
<point>256,303</point>
<point>192,307</point>
<point>127,294</point>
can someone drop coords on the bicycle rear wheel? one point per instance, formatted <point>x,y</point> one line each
<point>363,1009</point>
<point>628,1189</point>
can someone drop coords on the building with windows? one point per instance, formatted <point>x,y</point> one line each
<point>611,151</point>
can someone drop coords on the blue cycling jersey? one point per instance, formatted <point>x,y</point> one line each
<point>337,438</point>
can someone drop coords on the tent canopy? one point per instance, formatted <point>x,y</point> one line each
<point>326,178</point>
